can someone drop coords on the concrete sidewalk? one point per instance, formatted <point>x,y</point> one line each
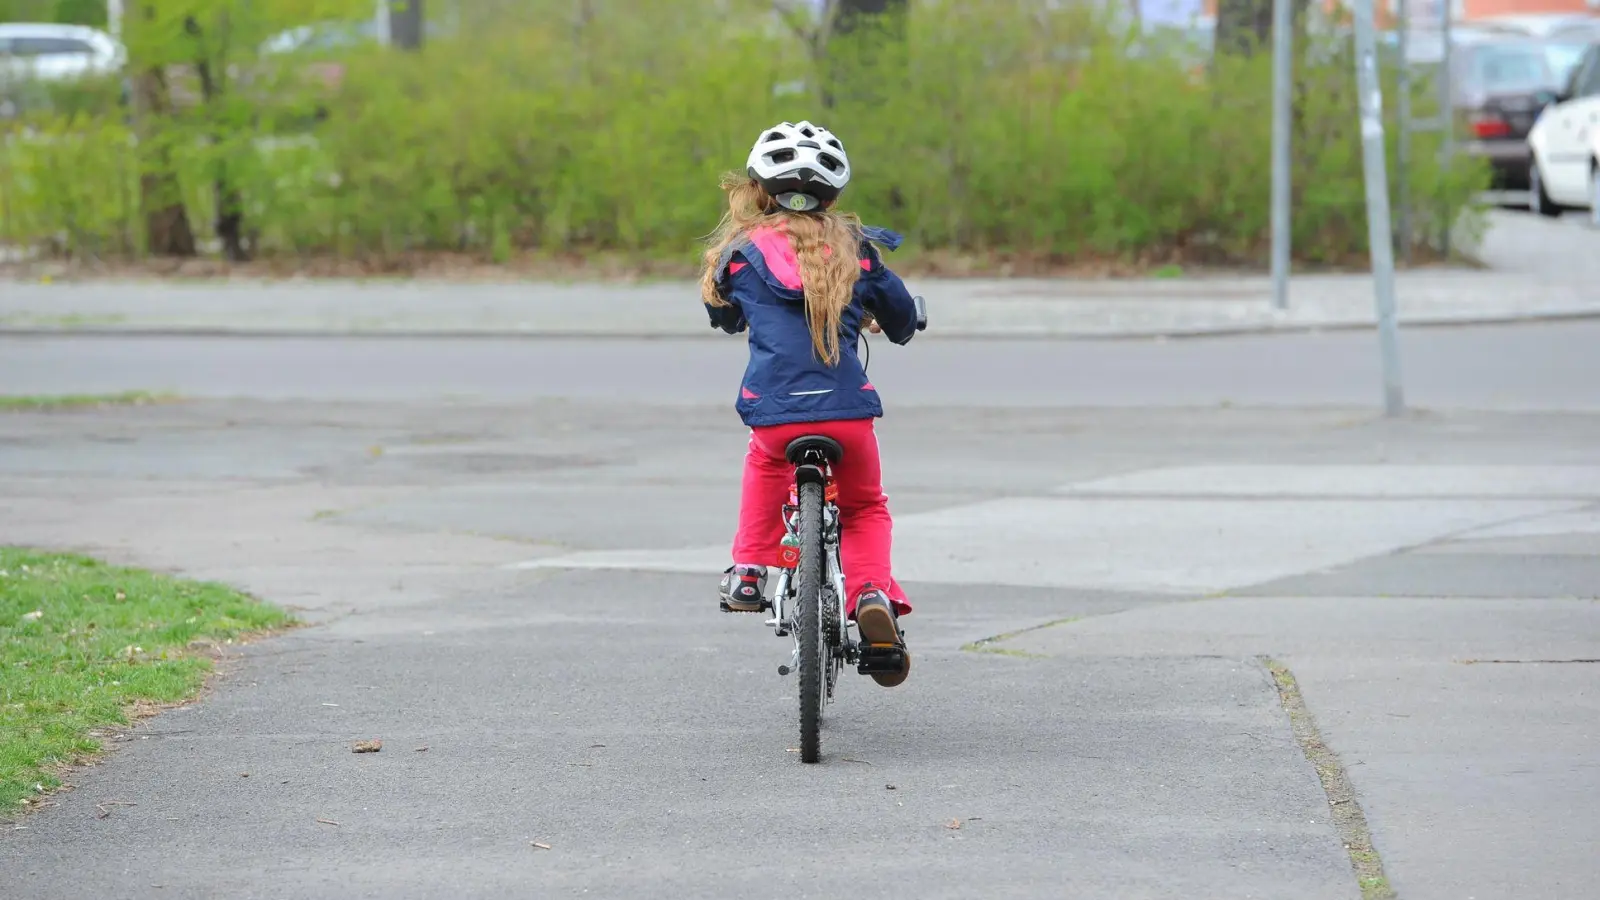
<point>565,713</point>
<point>1539,270</point>
<point>958,308</point>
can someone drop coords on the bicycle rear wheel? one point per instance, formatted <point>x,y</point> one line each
<point>808,622</point>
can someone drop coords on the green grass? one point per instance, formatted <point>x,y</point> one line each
<point>84,645</point>
<point>52,402</point>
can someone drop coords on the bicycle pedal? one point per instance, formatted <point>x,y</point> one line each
<point>881,659</point>
<point>765,607</point>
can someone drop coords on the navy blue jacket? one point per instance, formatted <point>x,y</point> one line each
<point>785,382</point>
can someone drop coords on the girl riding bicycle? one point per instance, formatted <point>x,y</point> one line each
<point>805,278</point>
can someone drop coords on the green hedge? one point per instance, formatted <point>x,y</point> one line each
<point>1002,129</point>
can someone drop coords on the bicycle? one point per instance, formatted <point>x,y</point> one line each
<point>808,601</point>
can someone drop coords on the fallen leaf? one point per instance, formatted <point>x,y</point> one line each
<point>420,750</point>
<point>244,774</point>
<point>539,845</point>
<point>326,822</point>
<point>889,787</point>
<point>367,747</point>
<point>331,704</point>
<point>953,824</point>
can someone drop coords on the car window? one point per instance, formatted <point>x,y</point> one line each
<point>48,46</point>
<point>1586,82</point>
<point>1563,59</point>
<point>1512,67</point>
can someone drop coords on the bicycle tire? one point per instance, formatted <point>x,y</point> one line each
<point>808,622</point>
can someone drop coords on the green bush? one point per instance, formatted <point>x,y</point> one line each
<point>1006,129</point>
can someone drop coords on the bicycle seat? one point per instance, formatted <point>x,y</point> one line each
<point>807,448</point>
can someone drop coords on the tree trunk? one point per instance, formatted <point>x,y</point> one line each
<point>859,35</point>
<point>230,205</point>
<point>848,15</point>
<point>166,222</point>
<point>1243,27</point>
<point>405,24</point>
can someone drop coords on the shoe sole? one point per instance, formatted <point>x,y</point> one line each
<point>877,627</point>
<point>734,608</point>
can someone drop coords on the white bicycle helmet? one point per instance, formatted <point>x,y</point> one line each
<point>800,165</point>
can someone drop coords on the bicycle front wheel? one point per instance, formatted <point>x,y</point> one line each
<point>808,622</point>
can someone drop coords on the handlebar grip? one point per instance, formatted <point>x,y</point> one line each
<point>922,313</point>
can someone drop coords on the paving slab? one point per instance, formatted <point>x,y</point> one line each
<point>1460,721</point>
<point>1365,481</point>
<point>1461,765</point>
<point>1134,544</point>
<point>1485,574</point>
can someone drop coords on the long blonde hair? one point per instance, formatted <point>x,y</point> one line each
<point>827,243</point>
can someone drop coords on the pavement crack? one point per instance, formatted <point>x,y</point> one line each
<point>991,644</point>
<point>1348,819</point>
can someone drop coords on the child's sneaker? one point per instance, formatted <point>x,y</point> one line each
<point>876,621</point>
<point>744,589</point>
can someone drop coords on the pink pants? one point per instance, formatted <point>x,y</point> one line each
<point>865,535</point>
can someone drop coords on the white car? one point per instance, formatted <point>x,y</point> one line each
<point>49,52</point>
<point>1565,143</point>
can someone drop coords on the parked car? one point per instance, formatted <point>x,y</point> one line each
<point>36,57</point>
<point>51,52</point>
<point>1542,25</point>
<point>1499,87</point>
<point>1564,144</point>
<point>1425,43</point>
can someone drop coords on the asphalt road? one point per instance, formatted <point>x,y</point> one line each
<point>508,550</point>
<point>1526,367</point>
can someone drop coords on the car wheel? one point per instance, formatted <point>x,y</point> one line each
<point>1538,200</point>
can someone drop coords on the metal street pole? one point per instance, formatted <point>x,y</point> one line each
<point>381,19</point>
<point>1447,111</point>
<point>1282,70</point>
<point>1402,175</point>
<point>1380,239</point>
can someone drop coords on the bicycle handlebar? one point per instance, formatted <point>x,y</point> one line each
<point>922,313</point>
